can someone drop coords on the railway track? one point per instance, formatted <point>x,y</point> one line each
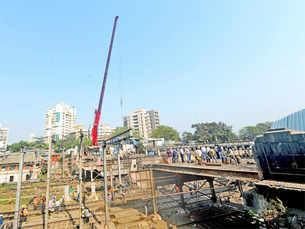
<point>69,207</point>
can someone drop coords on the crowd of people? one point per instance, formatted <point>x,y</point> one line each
<point>207,154</point>
<point>53,204</point>
<point>37,203</point>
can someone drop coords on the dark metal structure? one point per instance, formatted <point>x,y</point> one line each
<point>280,155</point>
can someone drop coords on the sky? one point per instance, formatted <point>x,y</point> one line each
<point>240,62</point>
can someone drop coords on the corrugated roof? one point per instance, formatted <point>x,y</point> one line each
<point>14,158</point>
<point>294,121</point>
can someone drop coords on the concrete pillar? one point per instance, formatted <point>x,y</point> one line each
<point>181,195</point>
<point>35,173</point>
<point>67,193</point>
<point>93,187</point>
<point>133,169</point>
<point>211,183</point>
<point>93,195</point>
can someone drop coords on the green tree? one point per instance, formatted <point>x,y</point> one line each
<point>249,133</point>
<point>40,144</point>
<point>132,133</point>
<point>187,136</point>
<point>71,141</point>
<point>166,132</point>
<point>16,147</point>
<point>119,130</point>
<point>67,142</point>
<point>87,141</point>
<point>211,132</point>
<point>263,127</point>
<point>141,148</point>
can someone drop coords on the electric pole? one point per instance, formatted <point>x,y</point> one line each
<point>63,162</point>
<point>80,179</point>
<point>105,185</point>
<point>119,169</point>
<point>19,189</point>
<point>46,213</point>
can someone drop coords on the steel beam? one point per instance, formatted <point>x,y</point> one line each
<point>219,172</point>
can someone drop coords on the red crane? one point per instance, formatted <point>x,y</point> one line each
<point>98,111</point>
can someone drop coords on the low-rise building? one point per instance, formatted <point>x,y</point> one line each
<point>9,167</point>
<point>80,128</point>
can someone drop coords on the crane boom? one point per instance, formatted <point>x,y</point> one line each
<point>98,111</point>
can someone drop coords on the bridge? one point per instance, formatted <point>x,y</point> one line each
<point>173,173</point>
<point>181,173</point>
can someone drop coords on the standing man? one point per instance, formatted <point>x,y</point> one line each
<point>43,205</point>
<point>204,153</point>
<point>188,152</point>
<point>1,221</point>
<point>221,156</point>
<point>169,156</point>
<point>198,155</point>
<point>182,154</point>
<point>57,204</point>
<point>175,156</point>
<point>35,202</point>
<point>212,155</point>
<point>232,156</point>
<point>71,191</point>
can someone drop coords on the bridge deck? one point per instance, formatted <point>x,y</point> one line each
<point>282,185</point>
<point>223,171</point>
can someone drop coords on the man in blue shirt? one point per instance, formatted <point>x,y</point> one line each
<point>220,154</point>
<point>175,156</point>
<point>1,221</point>
<point>204,153</point>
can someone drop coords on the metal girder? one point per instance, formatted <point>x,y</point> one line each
<point>229,173</point>
<point>165,177</point>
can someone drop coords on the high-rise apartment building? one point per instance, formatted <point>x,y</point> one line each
<point>153,119</point>
<point>3,139</point>
<point>60,120</point>
<point>142,121</point>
